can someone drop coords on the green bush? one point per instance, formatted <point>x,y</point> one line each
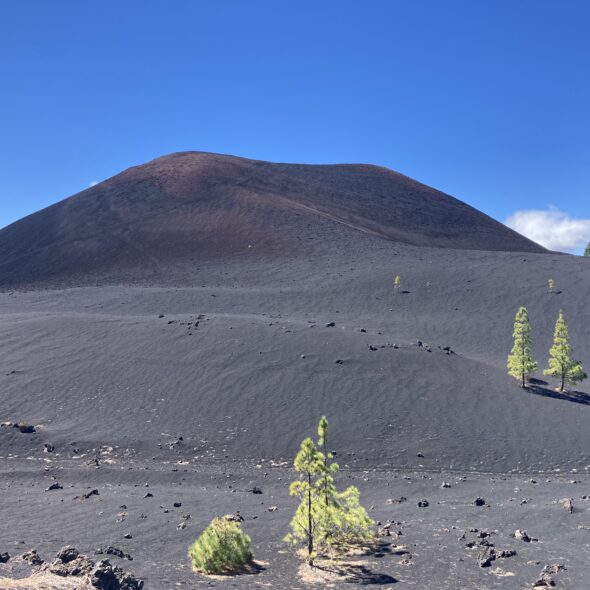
<point>222,548</point>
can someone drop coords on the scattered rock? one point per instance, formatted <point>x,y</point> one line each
<point>107,577</point>
<point>87,495</point>
<point>523,536</point>
<point>149,495</point>
<point>423,504</point>
<point>47,448</point>
<point>69,562</point>
<point>479,502</point>
<point>331,325</point>
<point>554,568</point>
<point>54,486</point>
<point>181,526</point>
<point>4,557</point>
<point>67,554</point>
<point>127,536</point>
<point>25,428</point>
<point>399,500</point>
<point>237,517</point>
<point>177,504</point>
<point>385,530</point>
<point>445,484</point>
<point>486,557</point>
<point>32,557</point>
<point>544,581</point>
<point>109,550</point>
<point>256,490</point>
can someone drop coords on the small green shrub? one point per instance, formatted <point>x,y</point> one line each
<point>222,548</point>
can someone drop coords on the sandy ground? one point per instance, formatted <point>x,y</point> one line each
<point>430,552</point>
<point>242,363</point>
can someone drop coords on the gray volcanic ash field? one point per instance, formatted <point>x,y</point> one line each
<point>178,330</point>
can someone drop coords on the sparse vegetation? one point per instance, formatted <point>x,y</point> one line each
<point>551,284</point>
<point>304,524</point>
<point>587,250</point>
<point>521,364</point>
<point>397,284</point>
<point>561,362</point>
<point>222,548</point>
<point>326,521</point>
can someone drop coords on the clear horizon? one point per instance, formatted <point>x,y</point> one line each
<point>485,102</point>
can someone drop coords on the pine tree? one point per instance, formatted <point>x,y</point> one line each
<point>326,520</point>
<point>587,250</point>
<point>308,463</point>
<point>551,284</point>
<point>521,364</point>
<point>397,283</point>
<point>561,362</point>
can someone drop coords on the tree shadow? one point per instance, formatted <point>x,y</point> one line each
<point>383,547</point>
<point>248,569</point>
<point>357,573</point>
<point>540,387</point>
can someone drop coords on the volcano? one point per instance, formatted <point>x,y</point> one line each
<point>153,223</point>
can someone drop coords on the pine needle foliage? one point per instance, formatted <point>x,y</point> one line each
<point>222,548</point>
<point>397,283</point>
<point>327,486</point>
<point>521,364</point>
<point>587,250</point>
<point>561,362</point>
<point>346,523</point>
<point>326,520</point>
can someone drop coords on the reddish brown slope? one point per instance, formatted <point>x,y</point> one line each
<point>184,208</point>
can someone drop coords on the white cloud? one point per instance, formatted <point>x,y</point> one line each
<point>94,183</point>
<point>552,228</point>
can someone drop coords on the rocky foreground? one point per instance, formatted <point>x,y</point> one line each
<point>461,529</point>
<point>70,569</point>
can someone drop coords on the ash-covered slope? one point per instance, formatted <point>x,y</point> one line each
<point>153,223</point>
<point>243,364</point>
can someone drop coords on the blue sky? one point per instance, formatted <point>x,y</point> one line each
<point>486,100</point>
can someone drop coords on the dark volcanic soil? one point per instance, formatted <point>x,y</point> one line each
<point>244,365</point>
<point>431,551</point>
<point>200,375</point>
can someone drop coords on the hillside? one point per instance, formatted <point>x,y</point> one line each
<point>154,223</point>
